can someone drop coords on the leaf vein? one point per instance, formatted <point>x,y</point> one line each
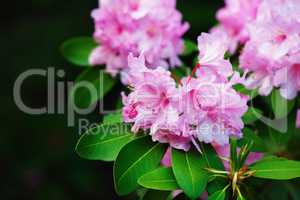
<point>129,168</point>
<point>106,141</point>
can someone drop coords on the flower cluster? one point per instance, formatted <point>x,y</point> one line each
<point>273,51</point>
<point>205,107</point>
<point>270,31</point>
<point>141,40</point>
<point>137,26</point>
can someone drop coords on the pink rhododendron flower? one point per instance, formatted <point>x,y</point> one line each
<point>212,111</point>
<point>166,130</point>
<point>273,52</point>
<point>232,41</point>
<point>224,151</point>
<point>152,104</point>
<point>135,26</point>
<point>202,108</point>
<point>212,48</point>
<point>234,17</point>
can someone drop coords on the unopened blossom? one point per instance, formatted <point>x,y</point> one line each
<point>212,48</point>
<point>153,28</point>
<point>166,160</point>
<point>234,17</point>
<point>272,53</point>
<point>202,108</point>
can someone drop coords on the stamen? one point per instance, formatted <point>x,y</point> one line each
<point>193,72</point>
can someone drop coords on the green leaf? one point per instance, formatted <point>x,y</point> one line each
<point>276,190</point>
<point>189,47</point>
<point>249,136</point>
<point>140,193</point>
<point>195,61</point>
<point>104,142</point>
<point>278,140</point>
<point>217,184</point>
<point>113,118</point>
<point>277,169</point>
<point>293,189</point>
<point>241,197</point>
<point>235,65</point>
<point>159,179</point>
<point>77,50</point>
<point>119,103</point>
<point>233,154</point>
<point>241,89</point>
<point>89,87</point>
<point>211,157</point>
<point>252,115</point>
<point>134,160</point>
<point>179,72</point>
<point>188,168</point>
<point>281,107</point>
<point>219,195</point>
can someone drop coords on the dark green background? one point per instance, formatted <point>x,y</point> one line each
<point>37,159</point>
